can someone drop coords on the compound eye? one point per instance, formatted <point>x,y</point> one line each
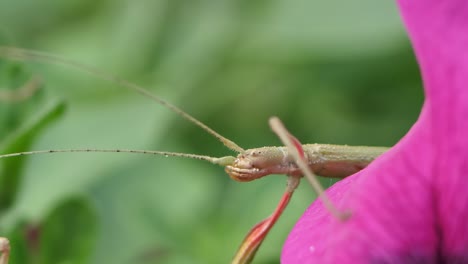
<point>243,162</point>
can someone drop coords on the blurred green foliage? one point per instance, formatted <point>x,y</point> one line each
<point>22,119</point>
<point>334,71</point>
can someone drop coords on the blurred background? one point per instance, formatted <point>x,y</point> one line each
<point>339,72</point>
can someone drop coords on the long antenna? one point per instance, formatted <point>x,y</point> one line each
<point>223,161</point>
<point>24,54</point>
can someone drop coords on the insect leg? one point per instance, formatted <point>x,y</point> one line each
<point>295,148</point>
<point>4,250</point>
<point>257,234</point>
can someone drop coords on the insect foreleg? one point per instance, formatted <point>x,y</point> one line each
<point>257,234</point>
<point>296,149</point>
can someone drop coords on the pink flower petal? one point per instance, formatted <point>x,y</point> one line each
<point>410,205</point>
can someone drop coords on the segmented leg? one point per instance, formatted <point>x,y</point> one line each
<point>4,250</point>
<point>257,234</point>
<point>295,148</point>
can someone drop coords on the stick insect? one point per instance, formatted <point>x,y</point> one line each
<point>294,159</point>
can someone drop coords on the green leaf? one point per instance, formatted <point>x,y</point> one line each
<point>68,233</point>
<point>19,245</point>
<point>20,123</point>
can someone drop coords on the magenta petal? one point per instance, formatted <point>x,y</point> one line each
<point>304,240</point>
<point>410,205</point>
<point>392,206</point>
